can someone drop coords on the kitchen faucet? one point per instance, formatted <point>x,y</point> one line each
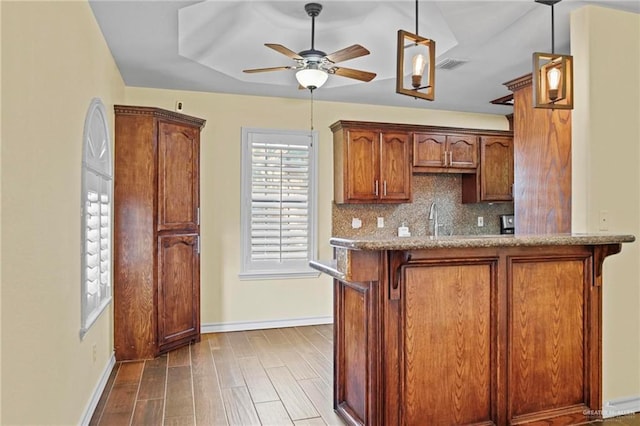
<point>433,215</point>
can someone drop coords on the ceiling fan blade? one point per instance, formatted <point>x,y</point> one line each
<point>284,50</point>
<point>347,53</point>
<point>351,73</point>
<point>266,69</point>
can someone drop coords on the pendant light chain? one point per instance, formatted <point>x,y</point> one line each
<point>553,35</point>
<point>417,18</point>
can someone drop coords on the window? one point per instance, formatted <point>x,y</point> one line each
<point>97,178</point>
<point>278,203</point>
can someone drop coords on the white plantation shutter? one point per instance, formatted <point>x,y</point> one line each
<point>97,177</point>
<point>278,202</point>
<point>97,251</point>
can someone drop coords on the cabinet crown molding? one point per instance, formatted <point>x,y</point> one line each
<point>520,82</point>
<point>405,127</point>
<point>159,113</point>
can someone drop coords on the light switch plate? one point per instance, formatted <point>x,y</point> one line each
<point>381,222</point>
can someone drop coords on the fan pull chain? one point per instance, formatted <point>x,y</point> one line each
<point>311,110</point>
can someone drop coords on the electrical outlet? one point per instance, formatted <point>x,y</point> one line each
<point>179,106</point>
<point>381,222</point>
<point>480,221</point>
<point>94,353</point>
<point>603,221</point>
<point>356,223</point>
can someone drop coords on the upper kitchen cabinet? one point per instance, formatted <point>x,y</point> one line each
<point>494,179</point>
<point>371,164</point>
<point>444,153</point>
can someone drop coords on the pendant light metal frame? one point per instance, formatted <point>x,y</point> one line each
<point>542,63</point>
<point>408,40</point>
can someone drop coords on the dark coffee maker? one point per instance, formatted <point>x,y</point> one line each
<point>507,224</point>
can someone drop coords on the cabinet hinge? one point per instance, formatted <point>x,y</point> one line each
<point>198,216</point>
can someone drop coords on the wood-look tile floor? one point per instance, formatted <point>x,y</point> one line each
<point>269,377</point>
<point>264,377</point>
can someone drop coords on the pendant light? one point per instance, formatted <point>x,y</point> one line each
<point>552,74</point>
<point>415,64</point>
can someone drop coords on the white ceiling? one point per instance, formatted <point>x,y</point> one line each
<point>204,46</point>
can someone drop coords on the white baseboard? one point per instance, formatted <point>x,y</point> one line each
<point>621,407</point>
<point>97,392</point>
<point>261,325</point>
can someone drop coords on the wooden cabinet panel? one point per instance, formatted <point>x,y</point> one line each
<point>178,177</point>
<point>542,164</point>
<point>463,151</point>
<point>548,336</point>
<point>395,171</point>
<point>178,289</point>
<point>429,150</point>
<point>134,200</point>
<point>371,165</point>
<point>356,367</point>
<point>445,153</point>
<point>496,173</point>
<point>494,179</point>
<point>156,199</point>
<point>447,333</point>
<point>362,165</point>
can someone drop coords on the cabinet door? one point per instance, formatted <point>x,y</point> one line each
<point>551,369</point>
<point>363,181</point>
<point>496,168</point>
<point>395,170</point>
<point>178,177</point>
<point>178,290</point>
<point>462,151</point>
<point>429,150</point>
<point>448,345</point>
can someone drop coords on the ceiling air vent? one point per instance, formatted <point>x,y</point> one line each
<point>450,63</point>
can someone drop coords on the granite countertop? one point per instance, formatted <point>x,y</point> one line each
<point>469,241</point>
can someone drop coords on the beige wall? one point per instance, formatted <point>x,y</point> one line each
<point>606,153</point>
<point>54,61</point>
<point>226,298</point>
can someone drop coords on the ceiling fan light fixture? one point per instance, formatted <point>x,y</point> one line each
<point>314,66</point>
<point>311,78</point>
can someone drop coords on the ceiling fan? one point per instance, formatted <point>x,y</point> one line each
<point>314,66</point>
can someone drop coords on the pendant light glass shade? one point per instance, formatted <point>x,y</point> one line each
<point>552,81</point>
<point>311,78</point>
<point>415,66</point>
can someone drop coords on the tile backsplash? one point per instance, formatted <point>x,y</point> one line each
<point>443,189</point>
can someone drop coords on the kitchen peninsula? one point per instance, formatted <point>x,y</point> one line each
<point>489,330</point>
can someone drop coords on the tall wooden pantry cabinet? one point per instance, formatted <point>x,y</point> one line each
<point>157,231</point>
